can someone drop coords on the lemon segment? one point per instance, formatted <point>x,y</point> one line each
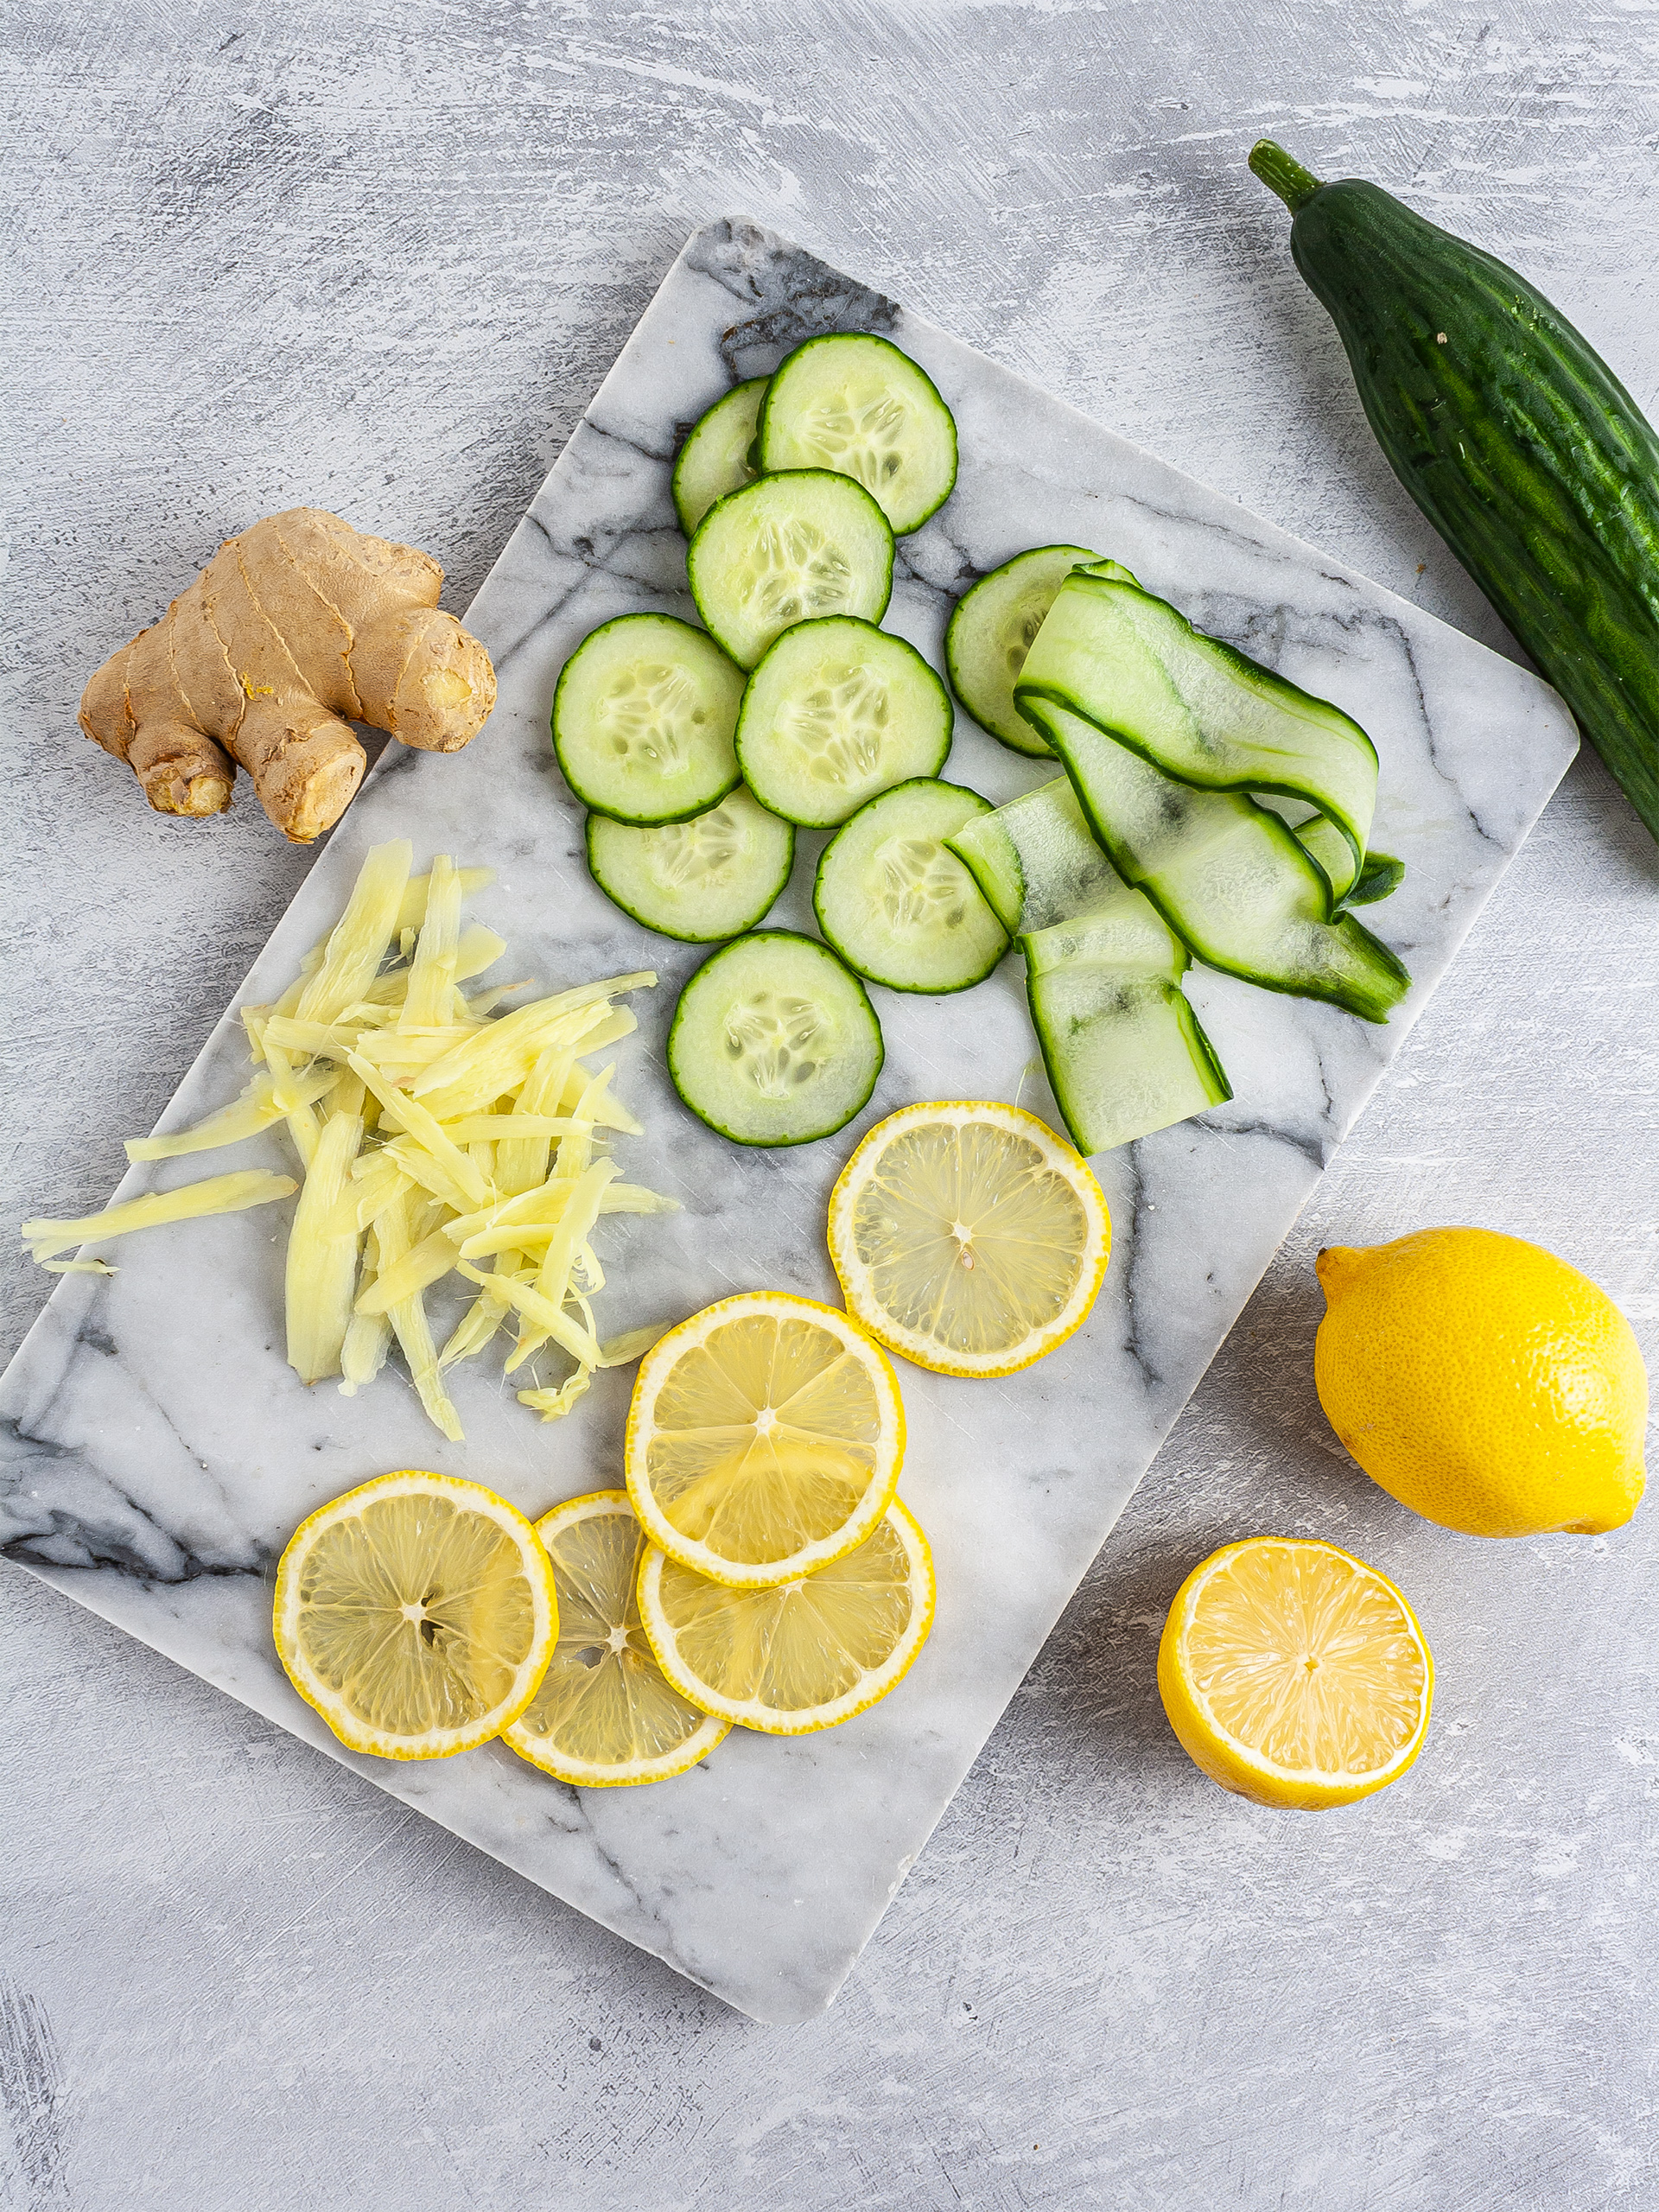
<point>764,1440</point>
<point>1484,1382</point>
<point>1295,1675</point>
<point>604,1716</point>
<point>968,1236</point>
<point>806,1654</point>
<point>416,1614</point>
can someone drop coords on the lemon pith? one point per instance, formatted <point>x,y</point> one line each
<point>765,1438</point>
<point>604,1715</point>
<point>416,1613</point>
<point>967,1236</point>
<point>804,1655</point>
<point>1294,1675</point>
<point>1484,1382</point>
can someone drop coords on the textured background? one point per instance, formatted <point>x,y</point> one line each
<point>377,259</point>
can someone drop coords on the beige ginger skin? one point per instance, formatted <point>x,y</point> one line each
<point>295,626</point>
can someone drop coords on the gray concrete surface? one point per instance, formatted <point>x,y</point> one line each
<point>378,257</point>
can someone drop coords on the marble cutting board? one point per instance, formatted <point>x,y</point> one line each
<point>158,1452</point>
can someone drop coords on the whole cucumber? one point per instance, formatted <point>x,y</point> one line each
<point>1514,437</point>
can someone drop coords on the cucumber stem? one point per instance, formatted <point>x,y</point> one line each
<point>1283,174</point>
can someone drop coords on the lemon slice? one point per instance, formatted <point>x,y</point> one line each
<point>416,1614</point>
<point>765,1438</point>
<point>968,1236</point>
<point>604,1716</point>
<point>806,1655</point>
<point>1295,1675</point>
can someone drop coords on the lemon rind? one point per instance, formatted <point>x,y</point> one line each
<point>588,1774</point>
<point>435,1744</point>
<point>909,1345</point>
<point>585,1508</point>
<point>580,1774</point>
<point>749,1712</point>
<point>733,1574</point>
<point>1334,1785</point>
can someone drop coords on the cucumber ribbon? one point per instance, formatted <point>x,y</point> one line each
<point>1153,847</point>
<point>1166,735</point>
<point>1124,1051</point>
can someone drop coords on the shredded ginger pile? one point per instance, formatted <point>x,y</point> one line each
<point>435,1136</point>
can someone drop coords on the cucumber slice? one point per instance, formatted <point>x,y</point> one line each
<point>714,458</point>
<point>785,550</point>
<point>1125,1052</point>
<point>1224,873</point>
<point>837,711</point>
<point>855,404</point>
<point>712,877</point>
<point>643,720</point>
<point>897,904</point>
<point>1036,859</point>
<point>991,633</point>
<point>774,1041</point>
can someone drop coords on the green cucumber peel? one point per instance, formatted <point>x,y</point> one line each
<point>1380,876</point>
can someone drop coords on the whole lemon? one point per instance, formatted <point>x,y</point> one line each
<point>1483,1383</point>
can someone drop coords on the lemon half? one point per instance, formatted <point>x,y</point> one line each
<point>807,1654</point>
<point>1294,1675</point>
<point>968,1236</point>
<point>605,1716</point>
<point>416,1614</point>
<point>765,1438</point>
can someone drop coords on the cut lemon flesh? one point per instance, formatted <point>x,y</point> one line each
<point>605,1716</point>
<point>416,1614</point>
<point>1294,1673</point>
<point>968,1236</point>
<point>805,1654</point>
<point>764,1440</point>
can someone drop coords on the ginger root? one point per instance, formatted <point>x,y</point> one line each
<point>293,625</point>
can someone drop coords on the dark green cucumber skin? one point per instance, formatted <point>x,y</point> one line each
<point>1520,445</point>
<point>1379,877</point>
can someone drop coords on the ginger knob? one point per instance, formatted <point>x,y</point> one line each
<point>296,628</point>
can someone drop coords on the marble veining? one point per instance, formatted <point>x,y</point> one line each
<point>157,1452</point>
